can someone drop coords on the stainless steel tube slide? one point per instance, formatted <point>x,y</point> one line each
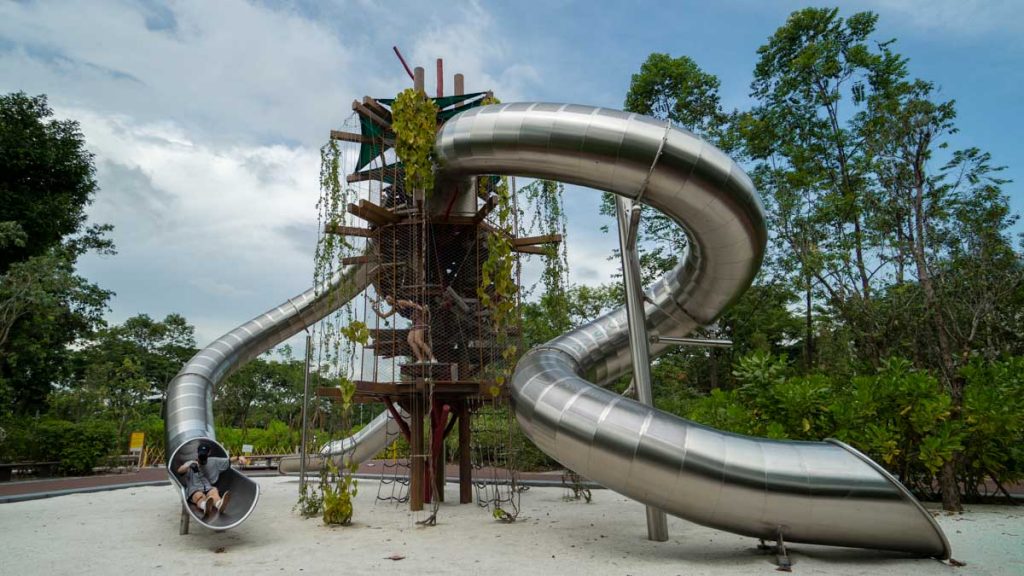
<point>189,418</point>
<point>358,448</point>
<point>814,492</point>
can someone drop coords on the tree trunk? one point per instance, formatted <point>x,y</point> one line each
<point>949,487</point>
<point>713,364</point>
<point>809,337</point>
<point>950,381</point>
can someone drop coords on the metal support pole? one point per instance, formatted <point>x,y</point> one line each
<point>657,524</point>
<point>185,520</point>
<point>305,417</point>
<point>699,342</point>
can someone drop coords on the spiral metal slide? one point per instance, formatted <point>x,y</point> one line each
<point>813,492</point>
<point>189,419</point>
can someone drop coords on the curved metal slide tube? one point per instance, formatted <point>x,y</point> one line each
<point>814,492</point>
<point>359,447</point>
<point>189,419</point>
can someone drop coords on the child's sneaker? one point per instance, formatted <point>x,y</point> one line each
<point>223,501</point>
<point>206,507</point>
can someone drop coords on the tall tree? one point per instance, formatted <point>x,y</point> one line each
<point>157,349</point>
<point>811,163</point>
<point>46,177</point>
<point>46,181</point>
<point>875,218</point>
<point>679,91</point>
<point>942,222</point>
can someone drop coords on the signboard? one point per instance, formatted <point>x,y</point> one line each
<point>246,448</point>
<point>137,441</point>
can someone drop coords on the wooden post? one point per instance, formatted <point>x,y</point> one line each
<point>460,85</point>
<point>440,78</point>
<point>439,466</point>
<point>419,458</point>
<point>419,79</point>
<point>465,464</point>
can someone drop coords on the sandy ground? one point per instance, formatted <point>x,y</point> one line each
<point>135,531</point>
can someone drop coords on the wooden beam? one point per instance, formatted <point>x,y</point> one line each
<point>481,214</point>
<point>348,230</point>
<point>371,175</point>
<point>370,115</point>
<point>380,212</point>
<point>530,249</point>
<point>371,217</point>
<point>355,260</point>
<point>359,138</point>
<point>376,107</point>
<point>534,240</point>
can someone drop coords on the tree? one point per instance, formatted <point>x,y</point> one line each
<point>262,391</point>
<point>904,249</point>
<point>946,220</point>
<point>158,348</point>
<point>46,178</point>
<point>46,181</point>
<point>679,91</point>
<point>811,160</point>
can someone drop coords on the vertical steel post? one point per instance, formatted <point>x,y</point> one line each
<point>657,524</point>
<point>305,420</point>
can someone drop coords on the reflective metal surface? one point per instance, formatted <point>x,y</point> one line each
<point>189,418</point>
<point>629,223</point>
<point>816,492</point>
<point>359,447</point>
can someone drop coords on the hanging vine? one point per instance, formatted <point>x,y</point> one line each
<point>338,335</point>
<point>545,196</point>
<point>414,120</point>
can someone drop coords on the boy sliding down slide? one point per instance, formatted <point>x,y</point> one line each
<point>201,476</point>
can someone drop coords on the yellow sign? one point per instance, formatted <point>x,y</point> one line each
<point>138,439</point>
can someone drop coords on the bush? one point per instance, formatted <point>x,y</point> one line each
<point>79,446</point>
<point>153,427</point>
<point>993,422</point>
<point>899,416</point>
<point>16,441</point>
<point>277,438</point>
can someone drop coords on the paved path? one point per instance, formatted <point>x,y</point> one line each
<point>48,487</point>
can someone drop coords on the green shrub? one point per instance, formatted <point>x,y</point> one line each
<point>277,438</point>
<point>153,427</point>
<point>79,446</point>
<point>16,441</point>
<point>899,416</point>
<point>993,422</point>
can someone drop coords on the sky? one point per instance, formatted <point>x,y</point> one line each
<point>206,118</point>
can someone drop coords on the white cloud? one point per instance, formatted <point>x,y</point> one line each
<point>199,226</point>
<point>956,17</point>
<point>471,46</point>
<point>229,69</point>
<point>206,118</point>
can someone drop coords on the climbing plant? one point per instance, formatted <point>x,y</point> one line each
<point>414,120</point>
<point>545,199</point>
<point>497,289</point>
<point>337,337</point>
